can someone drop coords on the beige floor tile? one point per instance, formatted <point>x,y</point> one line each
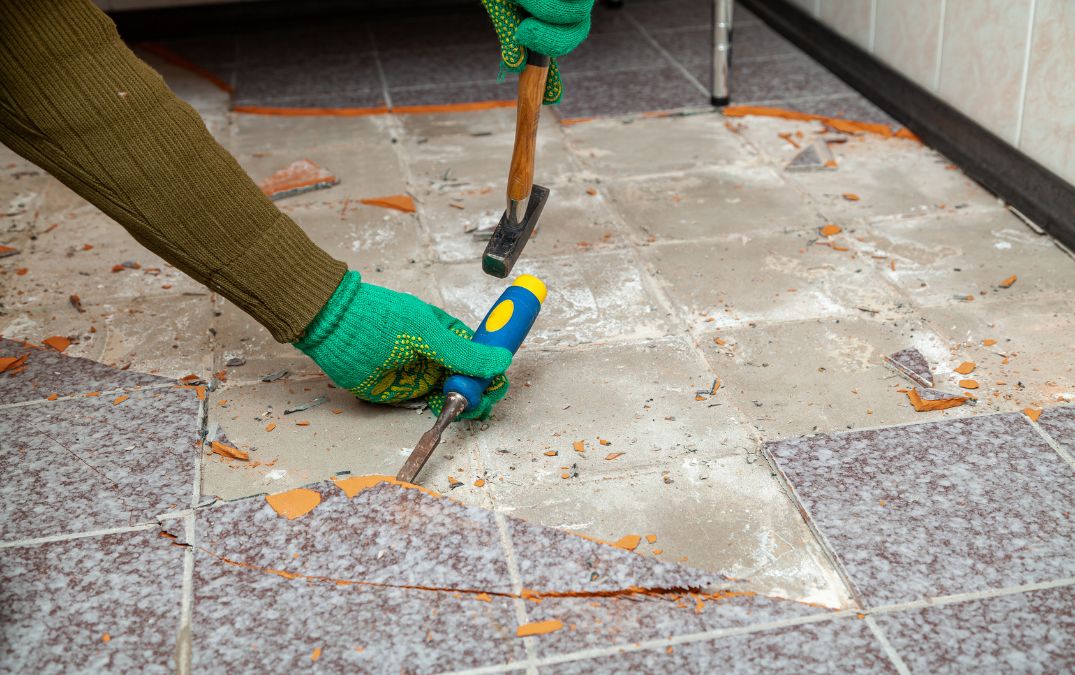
<point>1036,337</point>
<point>642,147</point>
<point>724,515</point>
<point>640,399</point>
<point>573,222</point>
<point>722,202</point>
<point>605,299</point>
<point>364,237</point>
<point>806,377</point>
<point>473,123</point>
<point>786,277</point>
<point>940,259</point>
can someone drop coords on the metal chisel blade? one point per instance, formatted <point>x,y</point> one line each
<point>454,404</point>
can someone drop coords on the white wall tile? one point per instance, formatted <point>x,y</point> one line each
<point>850,18</point>
<point>907,36</point>
<point>1048,133</point>
<point>982,61</point>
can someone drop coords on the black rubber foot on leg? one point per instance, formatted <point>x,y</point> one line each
<point>719,102</point>
<point>614,4</point>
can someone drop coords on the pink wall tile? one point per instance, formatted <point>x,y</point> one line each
<point>850,18</point>
<point>1048,133</point>
<point>982,61</point>
<point>907,36</point>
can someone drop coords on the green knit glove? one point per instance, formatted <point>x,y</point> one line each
<point>388,347</point>
<point>553,27</point>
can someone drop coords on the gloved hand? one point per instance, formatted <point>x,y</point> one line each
<point>553,28</point>
<point>388,347</point>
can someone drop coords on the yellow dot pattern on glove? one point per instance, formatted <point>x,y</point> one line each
<point>409,371</point>
<point>554,87</point>
<point>505,17</point>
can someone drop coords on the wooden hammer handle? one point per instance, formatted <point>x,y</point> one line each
<point>527,113</point>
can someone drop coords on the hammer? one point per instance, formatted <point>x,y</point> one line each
<point>515,226</point>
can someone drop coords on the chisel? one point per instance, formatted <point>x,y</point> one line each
<point>506,325</point>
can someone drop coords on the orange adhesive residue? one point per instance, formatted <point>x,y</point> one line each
<point>52,397</point>
<point>1032,413</point>
<point>299,175</point>
<point>965,368</point>
<point>988,342</point>
<point>1007,283</point>
<point>120,399</point>
<point>294,503</point>
<point>352,485</point>
<point>402,203</point>
<point>851,197</point>
<point>539,627</point>
<point>229,452</point>
<point>106,638</point>
<point>315,654</point>
<point>483,597</point>
<point>613,455</point>
<point>629,542</point>
<point>57,342</point>
<point>830,229</point>
<point>651,538</point>
<point>836,123</point>
<point>270,426</point>
<point>922,405</point>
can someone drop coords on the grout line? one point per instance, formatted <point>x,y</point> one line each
<point>1021,103</point>
<point>1059,449</point>
<point>940,48</point>
<point>380,68</point>
<point>185,638</point>
<point>517,588</point>
<point>18,543</point>
<point>887,647</point>
<point>941,600</point>
<point>79,397</point>
<point>664,52</point>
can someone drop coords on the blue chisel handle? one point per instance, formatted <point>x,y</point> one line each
<point>506,325</point>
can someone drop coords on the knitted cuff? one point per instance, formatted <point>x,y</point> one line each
<point>324,324</point>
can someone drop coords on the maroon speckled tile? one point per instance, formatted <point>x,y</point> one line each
<point>60,599</point>
<point>838,646</point>
<point>48,371</point>
<point>1021,633</point>
<point>385,534</point>
<point>1059,423</point>
<point>406,554</point>
<point>911,364</point>
<point>87,464</point>
<point>937,508</point>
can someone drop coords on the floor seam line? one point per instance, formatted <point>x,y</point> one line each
<point>514,574</point>
<point>887,647</point>
<point>185,637</point>
<point>1052,443</point>
<point>68,536</point>
<point>941,600</point>
<point>78,397</point>
<point>667,55</point>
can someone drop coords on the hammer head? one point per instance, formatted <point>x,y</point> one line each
<point>511,235</point>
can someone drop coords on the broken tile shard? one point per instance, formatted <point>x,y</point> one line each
<point>402,203</point>
<point>57,342</point>
<point>228,451</point>
<point>297,178</point>
<point>628,542</point>
<point>913,365</point>
<point>1007,283</point>
<point>830,229</point>
<point>926,400</point>
<point>814,157</point>
<point>965,368</point>
<point>539,627</point>
<point>294,503</point>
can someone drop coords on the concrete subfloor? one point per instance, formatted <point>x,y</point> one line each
<point>678,252</point>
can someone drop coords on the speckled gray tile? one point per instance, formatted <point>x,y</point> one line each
<point>591,94</point>
<point>448,94</point>
<point>752,42</point>
<point>911,364</point>
<point>788,77</point>
<point>98,604</point>
<point>938,508</point>
<point>842,646</point>
<point>1020,633</point>
<point>249,620</point>
<point>336,76</point>
<point>432,65</point>
<point>384,534</point>
<point>851,106</point>
<point>1059,423</point>
<point>49,372</point>
<point>612,52</point>
<point>87,464</point>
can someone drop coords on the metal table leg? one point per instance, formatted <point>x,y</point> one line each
<point>722,51</point>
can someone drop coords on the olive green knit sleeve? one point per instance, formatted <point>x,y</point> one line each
<point>76,102</point>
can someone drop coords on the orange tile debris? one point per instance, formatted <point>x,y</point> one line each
<point>628,542</point>
<point>969,384</point>
<point>302,423</point>
<point>483,597</point>
<point>1032,413</point>
<point>106,638</point>
<point>851,197</point>
<point>479,483</point>
<point>12,362</point>
<point>57,342</point>
<point>830,229</point>
<point>579,446</point>
<point>965,368</point>
<point>7,250</point>
<point>187,379</point>
<point>551,453</point>
<point>836,123</point>
<point>651,538</point>
<point>988,342</point>
<point>402,203</point>
<point>270,426</point>
<point>294,503</point>
<point>229,452</point>
<point>613,455</point>
<point>315,654</point>
<point>53,397</point>
<point>120,399</point>
<point>1007,283</point>
<point>539,627</point>
<point>926,405</point>
<point>352,485</point>
<point>296,178</point>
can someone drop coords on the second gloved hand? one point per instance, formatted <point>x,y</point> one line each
<point>388,347</point>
